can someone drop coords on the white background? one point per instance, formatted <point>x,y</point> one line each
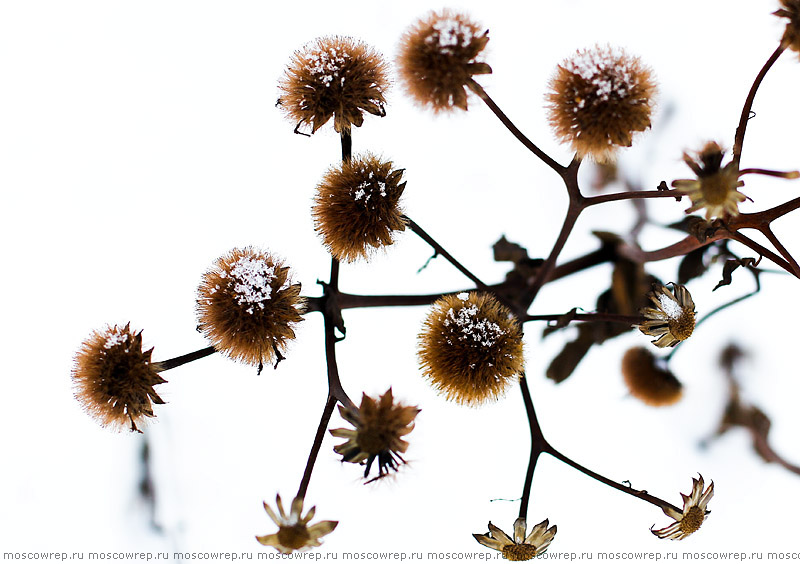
<point>140,141</point>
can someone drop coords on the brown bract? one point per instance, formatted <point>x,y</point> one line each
<point>114,378</point>
<point>470,348</point>
<point>647,381</point>
<point>791,36</point>
<point>247,306</point>
<point>438,56</point>
<point>335,77</point>
<point>598,99</point>
<point>357,207</point>
<point>379,428</point>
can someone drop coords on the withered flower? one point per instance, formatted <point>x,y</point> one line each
<point>521,547</point>
<point>790,9</point>
<point>247,306</point>
<point>716,187</point>
<point>335,77</point>
<point>694,513</point>
<point>672,319</point>
<point>293,530</point>
<point>379,428</point>
<point>357,207</point>
<point>114,378</point>
<point>438,56</point>
<point>647,381</point>
<point>470,348</point>
<point>598,99</point>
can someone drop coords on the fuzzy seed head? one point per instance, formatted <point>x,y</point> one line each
<point>790,9</point>
<point>598,99</point>
<point>114,379</point>
<point>470,348</point>
<point>438,56</point>
<point>335,77</point>
<point>647,381</point>
<point>357,207</point>
<point>247,306</point>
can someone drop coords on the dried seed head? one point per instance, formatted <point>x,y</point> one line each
<point>357,207</point>
<point>671,315</point>
<point>791,36</point>
<point>647,381</point>
<point>114,378</point>
<point>438,56</point>
<point>716,187</point>
<point>335,77</point>
<point>470,348</point>
<point>379,428</point>
<point>599,98</point>
<point>247,306</point>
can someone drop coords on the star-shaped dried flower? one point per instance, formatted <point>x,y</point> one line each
<point>379,428</point>
<point>672,319</point>
<point>716,187</point>
<point>694,513</point>
<point>293,530</point>
<point>521,547</point>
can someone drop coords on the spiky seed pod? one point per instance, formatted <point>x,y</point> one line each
<point>379,428</point>
<point>357,207</point>
<point>598,99</point>
<point>114,378</point>
<point>335,77</point>
<point>791,36</point>
<point>648,382</point>
<point>470,348</point>
<point>438,55</point>
<point>247,306</point>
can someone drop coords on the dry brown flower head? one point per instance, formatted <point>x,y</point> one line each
<point>335,77</point>
<point>470,348</point>
<point>438,56</point>
<point>790,9</point>
<point>693,515</point>
<point>293,530</point>
<point>671,317</point>
<point>357,207</point>
<point>114,378</point>
<point>379,428</point>
<point>598,99</point>
<point>716,187</point>
<point>247,306</point>
<point>522,547</point>
<point>648,382</point>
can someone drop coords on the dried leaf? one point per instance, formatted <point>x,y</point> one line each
<point>733,264</point>
<point>692,265</point>
<point>505,250</point>
<point>565,362</point>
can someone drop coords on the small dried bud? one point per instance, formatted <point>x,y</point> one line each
<point>379,428</point>
<point>599,98</point>
<point>114,378</point>
<point>791,36</point>
<point>357,207</point>
<point>438,56</point>
<point>470,348</point>
<point>247,306</point>
<point>335,77</point>
<point>647,381</point>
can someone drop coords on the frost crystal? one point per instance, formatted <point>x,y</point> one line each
<point>327,64</point>
<point>471,327</point>
<point>114,338</point>
<point>251,280</point>
<point>671,308</point>
<point>451,34</point>
<point>608,70</point>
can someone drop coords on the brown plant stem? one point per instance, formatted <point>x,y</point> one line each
<point>164,365</point>
<point>330,403</point>
<point>478,89</point>
<point>738,142</point>
<point>592,316</point>
<point>631,195</point>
